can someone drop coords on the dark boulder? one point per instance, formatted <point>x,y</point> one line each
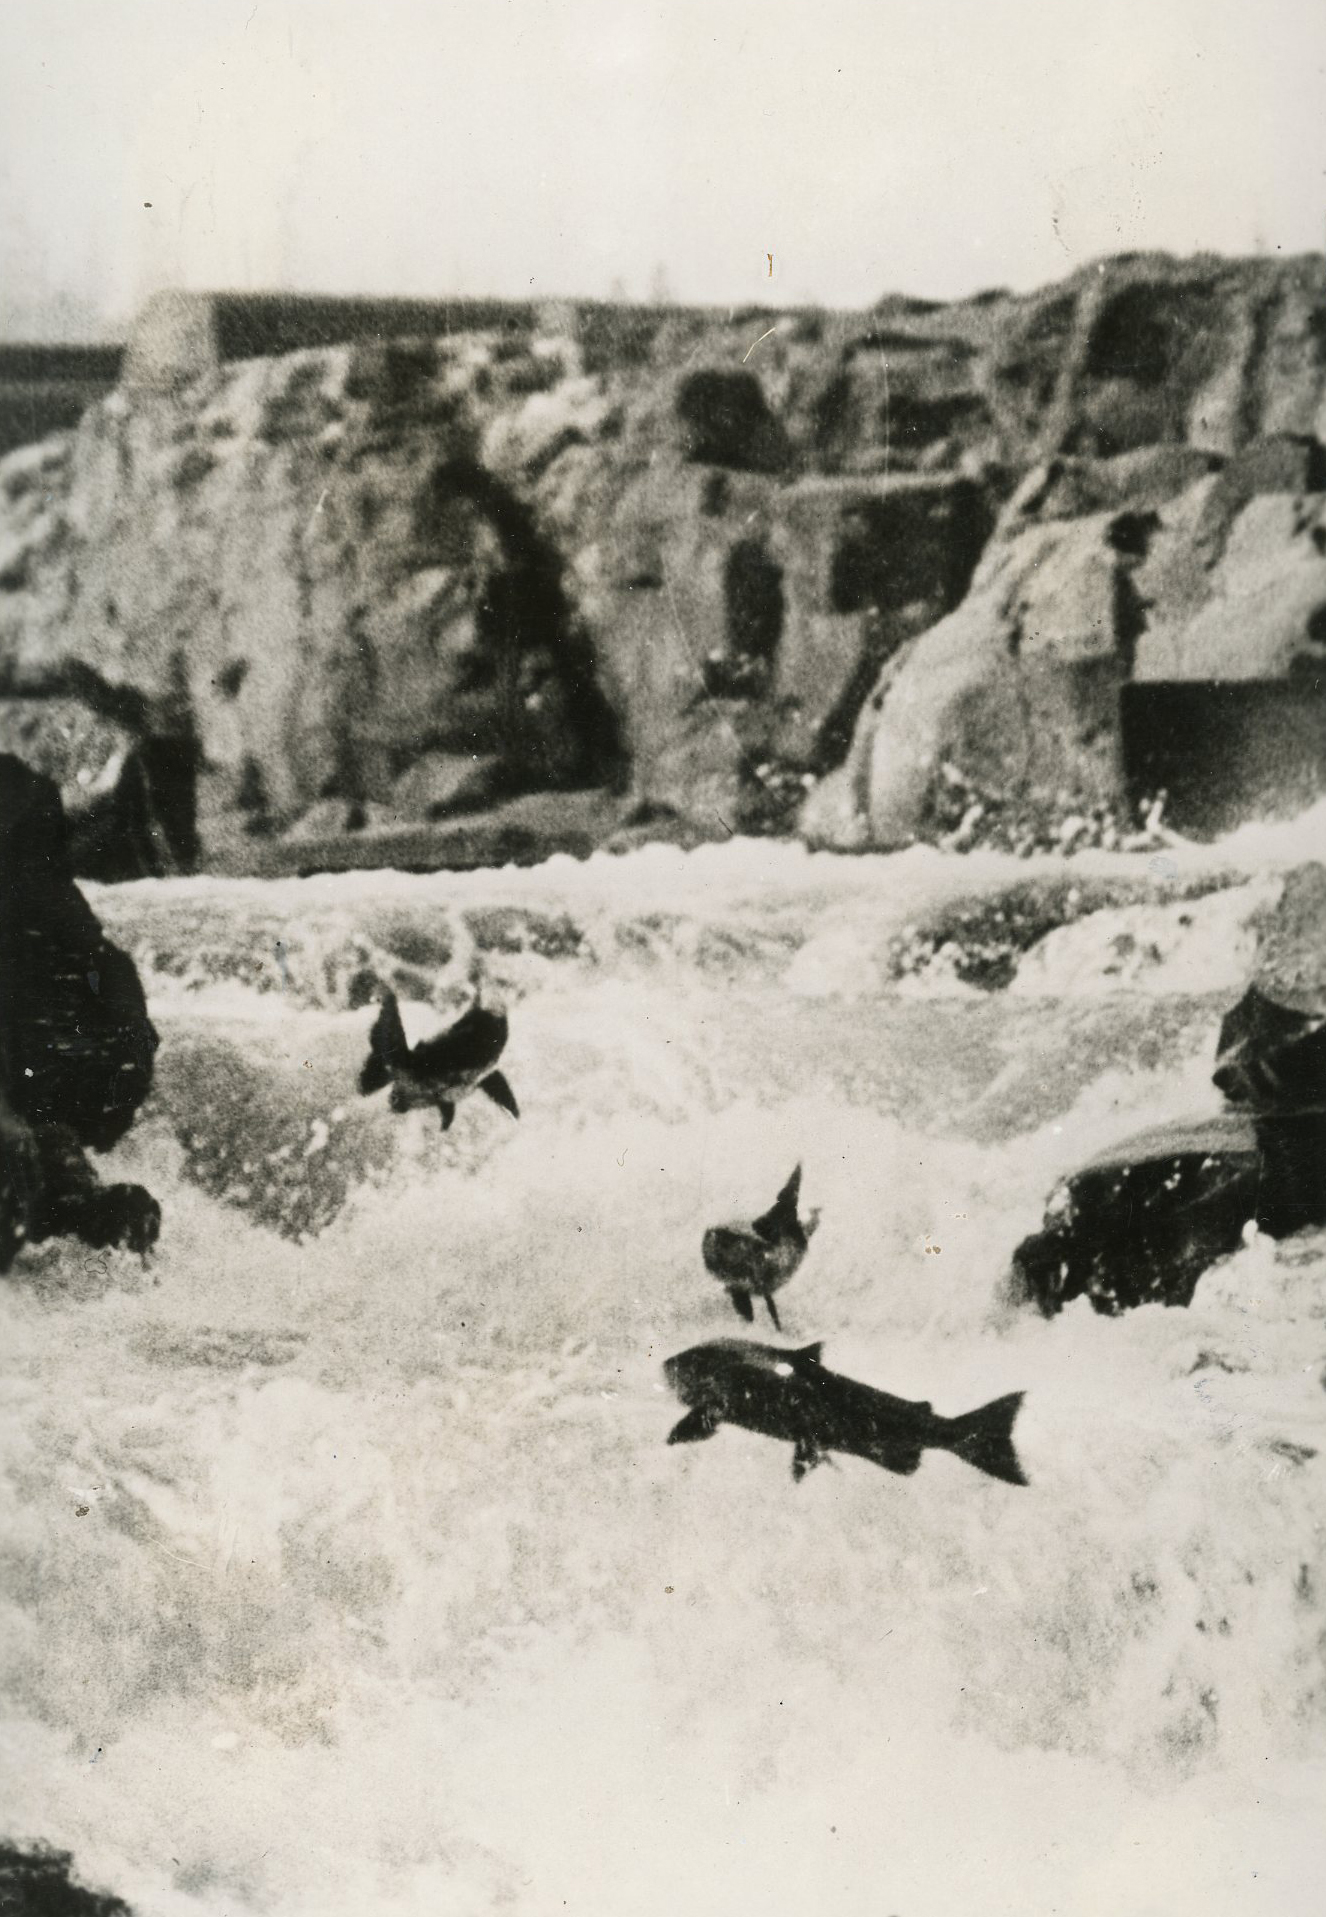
<point>1141,1223</point>
<point>1291,1189</point>
<point>76,1044</point>
<point>1271,1063</point>
<point>41,1883</point>
<point>1271,1057</point>
<point>62,1197</point>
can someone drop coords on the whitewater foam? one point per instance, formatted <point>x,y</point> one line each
<point>347,1567</point>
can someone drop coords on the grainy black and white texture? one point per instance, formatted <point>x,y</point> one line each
<point>774,722</point>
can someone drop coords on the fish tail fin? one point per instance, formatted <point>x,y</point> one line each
<point>387,1046</point>
<point>497,1088</point>
<point>984,1438</point>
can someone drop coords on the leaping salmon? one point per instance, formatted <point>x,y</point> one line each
<point>791,1395</point>
<point>438,1071</point>
<point>754,1258</point>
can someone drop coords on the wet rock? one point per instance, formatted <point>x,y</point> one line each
<point>127,789</point>
<point>42,1883</point>
<point>76,1044</point>
<point>1290,966</point>
<point>1141,1223</point>
<point>62,1197</point>
<point>1291,1190</point>
<point>77,1039</point>
<point>520,831</point>
<point>1271,1057</point>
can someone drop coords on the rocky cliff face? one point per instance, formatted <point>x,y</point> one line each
<point>704,562</point>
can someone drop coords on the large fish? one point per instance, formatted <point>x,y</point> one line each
<point>790,1395</point>
<point>754,1258</point>
<point>438,1071</point>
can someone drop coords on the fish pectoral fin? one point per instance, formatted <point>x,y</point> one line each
<point>741,1304</point>
<point>901,1459</point>
<point>697,1424</point>
<point>806,1457</point>
<point>773,1309</point>
<point>500,1092</point>
<point>448,1112</point>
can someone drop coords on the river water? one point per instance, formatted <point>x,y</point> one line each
<point>347,1568</point>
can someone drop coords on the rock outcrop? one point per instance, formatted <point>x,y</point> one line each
<point>76,1044</point>
<point>41,1882</point>
<point>707,562</point>
<point>1171,530</point>
<point>1141,1223</point>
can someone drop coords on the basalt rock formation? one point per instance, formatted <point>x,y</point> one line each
<point>1142,1222</point>
<point>76,1044</point>
<point>331,579</point>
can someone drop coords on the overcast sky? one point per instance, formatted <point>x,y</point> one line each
<point>584,146</point>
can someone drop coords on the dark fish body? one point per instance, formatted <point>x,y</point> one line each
<point>754,1258</point>
<point>790,1395</point>
<point>438,1071</point>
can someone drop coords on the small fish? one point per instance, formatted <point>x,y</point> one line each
<point>790,1395</point>
<point>438,1071</point>
<point>756,1257</point>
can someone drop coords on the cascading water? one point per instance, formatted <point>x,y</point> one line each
<point>346,1565</point>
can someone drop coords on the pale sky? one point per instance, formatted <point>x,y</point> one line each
<point>582,146</point>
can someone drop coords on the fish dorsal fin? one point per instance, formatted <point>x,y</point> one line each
<point>389,1033</point>
<point>809,1354</point>
<point>387,1046</point>
<point>782,1214</point>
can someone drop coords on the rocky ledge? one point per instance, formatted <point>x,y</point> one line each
<point>730,572</point>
